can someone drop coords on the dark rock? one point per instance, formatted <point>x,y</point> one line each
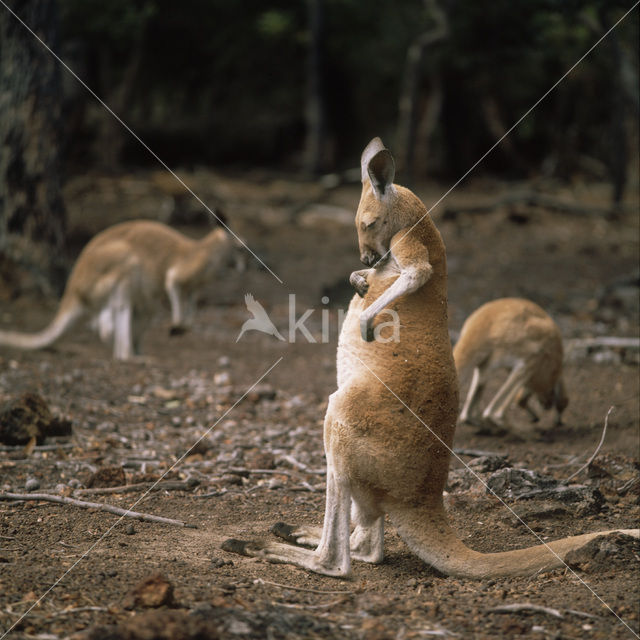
<point>260,460</point>
<point>261,392</point>
<point>208,622</point>
<point>605,554</point>
<point>107,477</point>
<point>487,464</point>
<point>515,483</point>
<point>154,591</point>
<point>30,417</point>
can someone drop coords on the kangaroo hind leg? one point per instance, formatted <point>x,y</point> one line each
<point>468,413</point>
<point>366,542</point>
<point>122,313</point>
<point>332,556</point>
<point>494,411</point>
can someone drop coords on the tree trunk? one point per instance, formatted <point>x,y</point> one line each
<point>31,202</point>
<point>315,114</point>
<point>408,116</point>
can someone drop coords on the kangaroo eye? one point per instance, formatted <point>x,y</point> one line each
<point>370,225</point>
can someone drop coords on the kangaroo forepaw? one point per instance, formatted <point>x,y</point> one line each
<point>366,329</point>
<point>359,283</point>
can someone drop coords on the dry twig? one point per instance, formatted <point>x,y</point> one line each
<point>527,607</point>
<point>165,485</point>
<point>595,453</point>
<point>94,505</point>
<point>302,466</point>
<point>477,453</point>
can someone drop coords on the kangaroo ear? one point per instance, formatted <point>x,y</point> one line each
<point>381,170</point>
<point>369,151</point>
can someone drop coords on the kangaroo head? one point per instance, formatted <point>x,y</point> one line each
<point>224,249</point>
<point>375,220</point>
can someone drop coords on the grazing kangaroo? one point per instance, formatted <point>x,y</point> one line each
<point>119,276</point>
<point>389,427</point>
<point>514,333</point>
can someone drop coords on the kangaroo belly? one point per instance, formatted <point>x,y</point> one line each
<point>393,450</point>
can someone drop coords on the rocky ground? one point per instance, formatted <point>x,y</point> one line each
<point>233,458</point>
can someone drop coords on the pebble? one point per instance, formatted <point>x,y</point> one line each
<point>129,530</point>
<point>221,379</point>
<point>32,484</point>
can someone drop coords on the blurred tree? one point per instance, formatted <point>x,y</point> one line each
<point>264,81</point>
<point>315,110</point>
<point>31,203</point>
<point>114,40</point>
<point>410,134</point>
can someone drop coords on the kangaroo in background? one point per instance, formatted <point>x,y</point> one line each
<point>119,276</point>
<point>518,334</point>
<point>389,427</point>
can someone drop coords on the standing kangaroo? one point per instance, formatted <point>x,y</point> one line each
<point>389,427</point>
<point>514,333</point>
<point>119,276</point>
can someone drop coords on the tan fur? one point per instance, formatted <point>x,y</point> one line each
<point>518,334</point>
<point>389,426</point>
<point>119,278</point>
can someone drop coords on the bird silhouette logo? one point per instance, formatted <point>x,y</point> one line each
<point>260,320</point>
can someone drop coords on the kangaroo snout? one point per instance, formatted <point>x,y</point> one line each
<point>369,257</point>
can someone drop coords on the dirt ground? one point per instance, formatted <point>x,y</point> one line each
<point>259,457</point>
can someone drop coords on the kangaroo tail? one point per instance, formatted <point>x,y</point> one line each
<point>69,311</point>
<point>429,536</point>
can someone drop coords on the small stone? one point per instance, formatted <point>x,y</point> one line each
<point>130,530</point>
<point>32,484</point>
<point>154,591</point>
<point>222,379</point>
<point>217,563</point>
<point>107,477</point>
<point>261,392</point>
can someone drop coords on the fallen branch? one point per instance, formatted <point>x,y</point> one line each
<point>595,453</point>
<point>621,491</point>
<point>211,494</point>
<point>526,607</point>
<point>477,453</point>
<point>582,614</point>
<point>165,485</point>
<point>244,471</point>
<point>326,605</point>
<point>99,506</point>
<point>38,447</point>
<point>302,466</point>
<point>305,486</point>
